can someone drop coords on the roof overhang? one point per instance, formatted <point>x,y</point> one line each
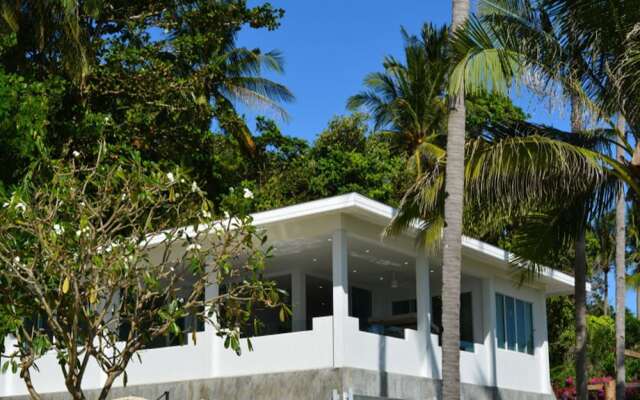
<point>555,282</point>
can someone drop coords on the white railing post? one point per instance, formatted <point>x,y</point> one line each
<point>299,301</point>
<point>340,277</point>
<point>489,324</point>
<point>423,309</point>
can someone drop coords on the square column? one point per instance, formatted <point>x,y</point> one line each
<point>340,276</point>
<point>489,328</point>
<point>423,311</point>
<point>541,341</point>
<point>299,300</point>
<point>211,291</point>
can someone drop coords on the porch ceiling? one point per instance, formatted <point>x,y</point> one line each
<point>555,282</point>
<point>370,264</point>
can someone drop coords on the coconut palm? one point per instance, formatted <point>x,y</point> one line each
<point>547,40</point>
<point>603,255</point>
<point>452,234</point>
<point>621,268</point>
<point>242,82</point>
<point>407,101</point>
<point>633,254</point>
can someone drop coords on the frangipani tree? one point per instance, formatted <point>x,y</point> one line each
<point>105,258</point>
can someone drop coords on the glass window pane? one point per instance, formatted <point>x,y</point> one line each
<point>466,322</point>
<point>520,328</point>
<point>528,320</point>
<point>510,316</point>
<point>500,320</point>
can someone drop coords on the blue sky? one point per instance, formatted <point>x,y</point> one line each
<point>329,46</point>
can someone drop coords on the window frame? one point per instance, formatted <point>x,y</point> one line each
<point>509,337</point>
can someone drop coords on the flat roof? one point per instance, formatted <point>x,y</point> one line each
<point>556,282</point>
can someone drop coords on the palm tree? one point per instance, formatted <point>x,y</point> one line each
<point>452,234</point>
<point>603,229</point>
<point>242,82</point>
<point>407,101</point>
<point>545,39</point>
<point>621,269</point>
<point>633,244</point>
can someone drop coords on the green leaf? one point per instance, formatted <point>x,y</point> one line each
<point>281,314</point>
<point>65,285</point>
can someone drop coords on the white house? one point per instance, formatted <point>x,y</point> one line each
<point>365,325</point>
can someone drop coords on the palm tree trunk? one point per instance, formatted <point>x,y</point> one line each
<point>452,239</point>
<point>580,270</point>
<point>605,301</point>
<point>621,274</point>
<point>580,266</point>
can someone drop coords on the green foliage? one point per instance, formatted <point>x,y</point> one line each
<point>486,109</point>
<point>25,109</point>
<point>119,245</point>
<point>601,342</point>
<point>161,73</point>
<point>343,159</point>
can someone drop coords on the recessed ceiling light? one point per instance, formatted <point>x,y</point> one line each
<point>355,270</point>
<point>367,250</point>
<point>382,278</point>
<point>315,260</point>
<point>320,286</point>
<point>431,270</point>
<point>406,263</point>
<point>329,239</point>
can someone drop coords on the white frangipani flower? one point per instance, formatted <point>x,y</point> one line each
<point>194,246</point>
<point>16,260</point>
<point>81,231</point>
<point>21,207</point>
<point>194,187</point>
<point>171,177</point>
<point>75,154</point>
<point>58,229</point>
<point>5,205</point>
<point>248,194</point>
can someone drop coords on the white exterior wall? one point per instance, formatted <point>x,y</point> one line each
<point>517,370</point>
<point>383,353</point>
<point>315,349</point>
<point>282,353</point>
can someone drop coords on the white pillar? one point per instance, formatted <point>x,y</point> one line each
<point>489,328</point>
<point>423,300</point>
<point>212,291</point>
<point>541,341</point>
<point>340,294</point>
<point>299,300</point>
